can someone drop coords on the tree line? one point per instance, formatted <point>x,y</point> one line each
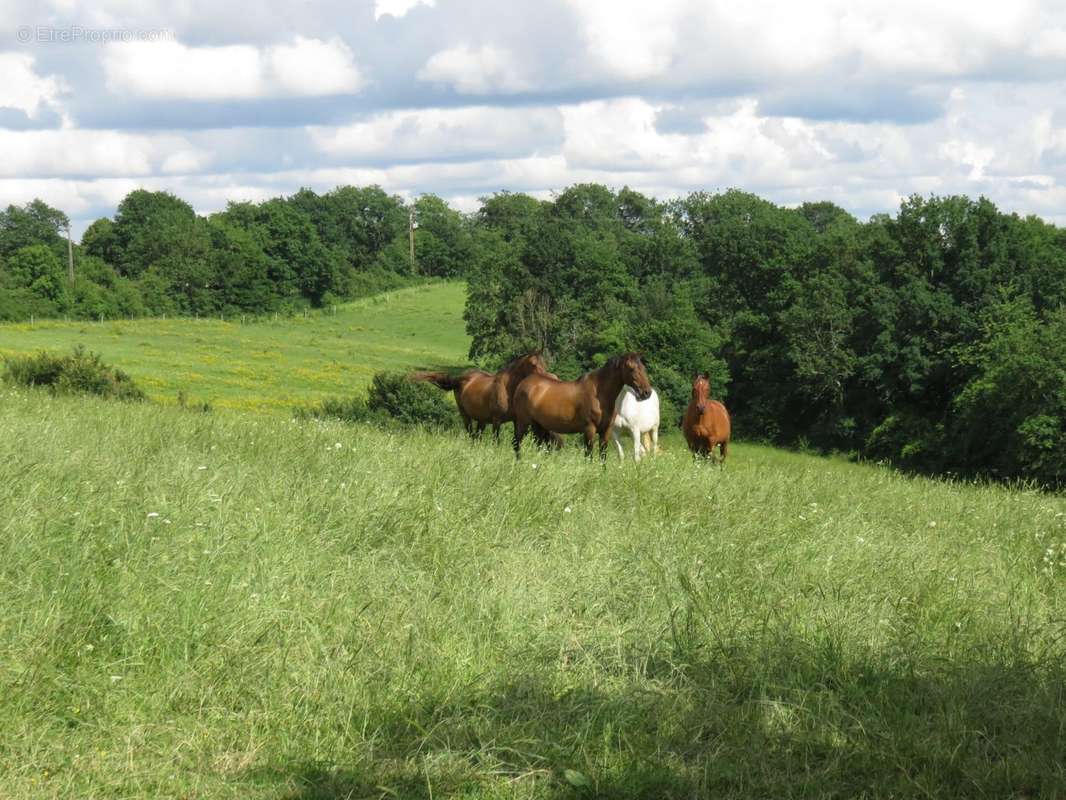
<point>157,256</point>
<point>934,338</point>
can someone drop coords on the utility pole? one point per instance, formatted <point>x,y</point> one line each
<point>411,236</point>
<point>70,257</point>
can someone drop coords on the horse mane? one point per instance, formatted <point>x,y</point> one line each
<point>518,358</point>
<point>617,361</point>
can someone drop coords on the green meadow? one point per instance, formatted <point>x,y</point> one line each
<point>242,605</point>
<point>269,364</point>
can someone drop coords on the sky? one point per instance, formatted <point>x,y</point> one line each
<point>860,103</point>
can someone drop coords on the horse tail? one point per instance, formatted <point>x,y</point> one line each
<point>442,380</point>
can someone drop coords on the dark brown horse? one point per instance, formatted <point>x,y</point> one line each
<point>706,422</point>
<point>485,397</point>
<point>584,406</point>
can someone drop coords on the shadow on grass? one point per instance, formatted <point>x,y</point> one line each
<point>791,719</point>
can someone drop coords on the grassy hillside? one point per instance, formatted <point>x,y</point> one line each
<point>269,365</point>
<point>231,606</point>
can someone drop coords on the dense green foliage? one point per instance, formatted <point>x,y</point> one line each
<point>934,339</point>
<point>79,372</point>
<point>158,257</point>
<point>392,401</point>
<point>240,606</point>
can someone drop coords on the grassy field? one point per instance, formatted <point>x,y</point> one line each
<point>247,606</point>
<point>269,365</point>
<point>241,606</point>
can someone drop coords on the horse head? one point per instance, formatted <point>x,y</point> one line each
<point>701,391</point>
<point>634,375</point>
<point>533,363</point>
<point>529,364</point>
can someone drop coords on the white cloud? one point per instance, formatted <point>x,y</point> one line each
<point>968,154</point>
<point>443,133</point>
<point>310,67</point>
<point>483,70</point>
<point>1049,43</point>
<point>689,42</point>
<point>171,70</point>
<point>619,134</point>
<point>631,41</point>
<point>34,154</point>
<point>23,89</point>
<point>398,8</point>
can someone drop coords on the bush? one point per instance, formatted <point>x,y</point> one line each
<point>392,401</point>
<point>410,403</point>
<point>81,372</point>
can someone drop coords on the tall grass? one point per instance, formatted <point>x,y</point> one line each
<point>226,607</point>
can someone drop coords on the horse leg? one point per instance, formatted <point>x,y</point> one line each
<point>638,447</point>
<point>467,423</point>
<point>519,434</point>
<point>655,441</point>
<point>480,430</point>
<point>723,448</point>
<point>603,448</point>
<point>590,437</point>
<point>496,432</point>
<point>618,444</point>
<point>541,435</point>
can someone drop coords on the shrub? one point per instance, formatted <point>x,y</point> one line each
<point>81,372</point>
<point>392,401</point>
<point>410,403</point>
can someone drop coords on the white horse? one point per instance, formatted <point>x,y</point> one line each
<point>640,418</point>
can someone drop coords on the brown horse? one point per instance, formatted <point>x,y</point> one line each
<point>706,422</point>
<point>585,406</point>
<point>485,397</point>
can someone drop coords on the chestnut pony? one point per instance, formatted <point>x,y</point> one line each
<point>485,397</point>
<point>585,406</point>
<point>706,421</point>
